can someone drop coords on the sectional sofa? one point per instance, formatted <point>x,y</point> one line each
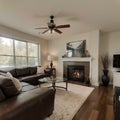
<point>26,74</point>
<point>32,103</point>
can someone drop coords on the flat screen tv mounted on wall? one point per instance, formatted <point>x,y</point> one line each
<point>116,60</point>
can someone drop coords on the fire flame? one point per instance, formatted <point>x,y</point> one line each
<point>77,74</point>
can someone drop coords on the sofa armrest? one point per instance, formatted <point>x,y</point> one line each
<point>35,104</point>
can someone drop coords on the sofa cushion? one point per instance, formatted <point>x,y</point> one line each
<point>22,71</point>
<point>31,79</point>
<point>32,70</point>
<point>11,70</point>
<point>2,96</point>
<point>24,84</point>
<point>8,86</point>
<point>28,88</point>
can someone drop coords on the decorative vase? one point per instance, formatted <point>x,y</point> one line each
<point>105,78</point>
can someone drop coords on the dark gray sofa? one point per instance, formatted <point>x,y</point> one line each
<point>26,74</point>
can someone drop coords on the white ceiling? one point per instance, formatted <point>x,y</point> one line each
<point>82,15</point>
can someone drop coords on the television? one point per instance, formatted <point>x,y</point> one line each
<point>116,60</point>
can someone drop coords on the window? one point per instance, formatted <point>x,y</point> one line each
<point>6,52</point>
<point>18,53</point>
<point>20,48</point>
<point>21,61</point>
<point>32,54</point>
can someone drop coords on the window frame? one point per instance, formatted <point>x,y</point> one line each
<point>27,56</point>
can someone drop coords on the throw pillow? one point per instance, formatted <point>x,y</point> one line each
<point>40,70</point>
<point>7,86</point>
<point>8,74</point>
<point>15,81</point>
<point>32,70</point>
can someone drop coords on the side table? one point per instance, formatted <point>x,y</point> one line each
<point>50,71</point>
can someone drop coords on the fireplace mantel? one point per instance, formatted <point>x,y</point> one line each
<point>84,59</point>
<point>79,59</point>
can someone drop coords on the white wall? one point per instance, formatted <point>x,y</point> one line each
<point>58,48</point>
<point>12,33</point>
<point>110,44</point>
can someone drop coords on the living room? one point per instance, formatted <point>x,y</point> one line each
<point>94,22</point>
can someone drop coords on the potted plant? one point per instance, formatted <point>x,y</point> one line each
<point>105,64</point>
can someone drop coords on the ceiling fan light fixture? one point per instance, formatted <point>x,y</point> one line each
<point>51,31</point>
<point>52,26</point>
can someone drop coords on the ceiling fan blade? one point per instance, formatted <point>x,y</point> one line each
<point>42,28</point>
<point>63,26</point>
<point>58,31</point>
<point>45,31</point>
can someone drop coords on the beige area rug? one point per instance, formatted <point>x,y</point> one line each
<point>67,103</point>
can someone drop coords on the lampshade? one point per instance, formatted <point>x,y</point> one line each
<point>49,58</point>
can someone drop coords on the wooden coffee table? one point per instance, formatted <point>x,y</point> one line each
<point>53,82</point>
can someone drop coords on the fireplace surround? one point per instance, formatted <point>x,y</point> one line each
<point>77,68</point>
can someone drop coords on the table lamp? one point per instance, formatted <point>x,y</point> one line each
<point>50,58</point>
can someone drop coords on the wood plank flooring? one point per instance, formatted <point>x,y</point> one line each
<point>98,106</point>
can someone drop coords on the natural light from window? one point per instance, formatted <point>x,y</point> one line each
<point>18,53</point>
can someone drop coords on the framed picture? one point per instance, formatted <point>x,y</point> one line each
<point>76,48</point>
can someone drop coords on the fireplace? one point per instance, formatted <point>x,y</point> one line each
<point>76,73</point>
<point>76,70</point>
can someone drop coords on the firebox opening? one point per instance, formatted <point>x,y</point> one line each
<point>76,73</point>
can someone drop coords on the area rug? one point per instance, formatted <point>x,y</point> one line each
<point>67,103</point>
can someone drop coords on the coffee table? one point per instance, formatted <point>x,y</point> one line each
<point>53,81</point>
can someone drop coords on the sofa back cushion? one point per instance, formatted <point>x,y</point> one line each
<point>22,71</point>
<point>2,96</point>
<point>8,86</point>
<point>11,70</point>
<point>33,70</point>
<point>19,72</point>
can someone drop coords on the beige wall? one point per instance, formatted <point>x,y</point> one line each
<point>12,33</point>
<point>58,48</point>
<point>110,44</point>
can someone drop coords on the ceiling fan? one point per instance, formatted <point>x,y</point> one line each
<point>52,26</point>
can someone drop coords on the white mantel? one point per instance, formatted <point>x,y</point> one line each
<point>80,59</point>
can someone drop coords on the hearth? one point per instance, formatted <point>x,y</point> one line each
<point>76,73</point>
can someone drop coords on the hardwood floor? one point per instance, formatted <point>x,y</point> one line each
<point>98,106</point>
